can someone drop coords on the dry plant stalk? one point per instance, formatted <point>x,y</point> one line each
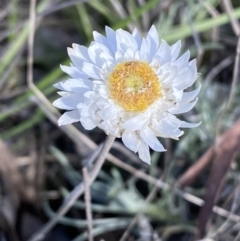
<point>227,5</point>
<point>15,187</point>
<point>10,174</point>
<point>87,195</point>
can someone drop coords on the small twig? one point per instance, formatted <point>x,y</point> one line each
<point>31,85</point>
<point>167,160</point>
<point>234,207</point>
<point>88,203</point>
<point>233,87</point>
<point>31,42</point>
<point>211,10</point>
<point>76,193</point>
<point>234,22</point>
<point>196,38</point>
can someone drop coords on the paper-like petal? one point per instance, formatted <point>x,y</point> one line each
<point>130,140</point>
<point>69,117</point>
<point>148,136</point>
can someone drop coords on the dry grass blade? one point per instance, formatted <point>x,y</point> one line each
<point>121,12</point>
<point>195,170</point>
<point>214,13</point>
<point>12,191</point>
<point>31,85</point>
<point>196,38</point>
<point>223,228</point>
<point>61,6</point>
<point>227,149</point>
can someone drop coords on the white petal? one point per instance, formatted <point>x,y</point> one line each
<point>189,96</point>
<point>143,152</point>
<point>135,123</point>
<point>100,38</point>
<point>183,59</point>
<point>125,40</point>
<point>111,37</point>
<point>178,94</point>
<point>110,128</point>
<point>69,117</point>
<point>183,108</point>
<point>119,56</point>
<point>87,123</point>
<point>186,78</point>
<point>74,85</point>
<point>63,93</point>
<point>152,42</point>
<point>130,140</point>
<point>58,86</point>
<point>166,128</point>
<point>169,74</point>
<point>73,72</point>
<point>185,124</point>
<point>148,136</point>
<point>69,102</point>
<point>94,53</point>
<point>77,62</point>
<point>91,70</point>
<point>175,50</point>
<point>144,52</point>
<point>108,112</point>
<point>137,37</point>
<point>129,54</point>
<point>81,52</point>
<point>164,52</point>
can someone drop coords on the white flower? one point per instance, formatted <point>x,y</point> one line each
<point>129,86</point>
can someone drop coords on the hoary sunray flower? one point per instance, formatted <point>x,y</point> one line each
<point>129,86</point>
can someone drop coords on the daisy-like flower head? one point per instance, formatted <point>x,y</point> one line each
<point>129,86</point>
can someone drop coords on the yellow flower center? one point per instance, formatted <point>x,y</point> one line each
<point>134,85</point>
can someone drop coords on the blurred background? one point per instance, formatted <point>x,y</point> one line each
<point>41,163</point>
